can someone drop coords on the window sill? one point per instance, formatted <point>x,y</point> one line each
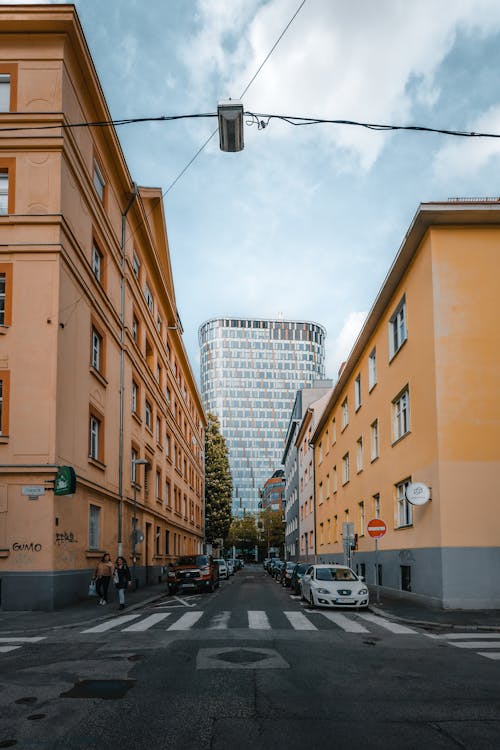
<point>98,464</point>
<point>375,458</point>
<point>399,439</point>
<point>3,330</point>
<point>403,526</point>
<point>395,354</point>
<point>149,430</point>
<point>4,552</point>
<point>94,553</point>
<point>137,417</point>
<point>99,376</point>
<point>372,387</point>
<point>4,439</point>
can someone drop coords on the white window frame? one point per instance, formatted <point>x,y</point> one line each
<point>4,193</point>
<point>401,415</point>
<point>398,331</point>
<point>372,369</point>
<point>404,508</point>
<point>96,262</point>
<point>345,413</point>
<point>148,297</point>
<point>136,264</point>
<point>99,181</point>
<point>96,349</point>
<point>3,292</point>
<point>133,456</point>
<point>374,440</point>
<point>135,394</point>
<point>357,392</point>
<point>5,84</point>
<point>361,507</point>
<point>158,430</point>
<point>359,454</point>
<point>135,329</point>
<point>94,526</point>
<point>376,505</point>
<point>148,414</point>
<point>94,436</point>
<point>335,481</point>
<point>345,468</point>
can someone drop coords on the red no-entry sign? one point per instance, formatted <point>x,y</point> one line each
<point>376,528</point>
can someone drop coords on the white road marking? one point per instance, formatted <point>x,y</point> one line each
<point>294,596</point>
<point>393,627</point>
<point>495,656</point>
<point>298,621</point>
<point>220,621</point>
<point>462,636</point>
<point>350,626</point>
<point>475,644</point>
<point>138,627</point>
<point>184,602</point>
<point>186,621</point>
<point>109,624</point>
<point>257,620</point>
<point>6,649</point>
<point>23,640</point>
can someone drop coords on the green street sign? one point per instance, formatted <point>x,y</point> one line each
<point>65,482</point>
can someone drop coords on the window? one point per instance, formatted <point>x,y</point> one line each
<point>374,440</point>
<point>401,415</point>
<point>97,263</point>
<point>359,454</point>
<point>168,396</point>
<point>4,193</point>
<point>345,413</point>
<point>158,485</point>
<point>135,329</point>
<point>167,493</point>
<point>376,505</point>
<point>345,469</point>
<point>136,264</point>
<point>149,297</point>
<point>167,542</point>
<point>4,402</point>
<point>167,445</point>
<point>158,430</point>
<point>157,541</point>
<point>97,348</point>
<point>405,514</point>
<point>320,493</point>
<point>159,323</point>
<point>335,480</point>
<point>95,437</point>
<point>4,92</point>
<point>372,368</point>
<point>334,431</point>
<point>134,456</point>
<point>397,328</point>
<point>406,577</point>
<point>321,534</point>
<point>94,526</point>
<point>135,396</point>
<point>99,182</point>
<point>148,415</point>
<point>361,508</point>
<point>5,294</point>
<point>320,450</point>
<point>357,393</point>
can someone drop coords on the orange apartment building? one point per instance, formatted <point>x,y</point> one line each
<point>417,402</point>
<point>93,370</point>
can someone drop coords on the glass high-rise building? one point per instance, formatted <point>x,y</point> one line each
<point>251,370</point>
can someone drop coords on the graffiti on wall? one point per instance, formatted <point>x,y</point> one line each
<point>26,547</point>
<point>65,536</point>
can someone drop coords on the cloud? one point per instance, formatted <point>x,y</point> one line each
<point>466,157</point>
<point>362,60</point>
<point>339,349</point>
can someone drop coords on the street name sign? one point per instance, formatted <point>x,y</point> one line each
<point>376,528</point>
<point>33,490</point>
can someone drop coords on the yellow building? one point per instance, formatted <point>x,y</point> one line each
<point>417,402</point>
<point>93,371</point>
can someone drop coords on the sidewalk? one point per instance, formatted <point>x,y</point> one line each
<point>81,612</point>
<point>411,612</point>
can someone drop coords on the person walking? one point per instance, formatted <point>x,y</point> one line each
<point>122,579</point>
<point>102,577</point>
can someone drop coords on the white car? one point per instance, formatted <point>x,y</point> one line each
<point>223,570</point>
<point>230,566</point>
<point>334,586</point>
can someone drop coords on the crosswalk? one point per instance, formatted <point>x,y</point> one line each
<point>257,620</point>
<point>485,644</point>
<point>12,643</point>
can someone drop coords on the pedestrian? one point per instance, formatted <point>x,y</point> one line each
<point>122,579</point>
<point>102,577</point>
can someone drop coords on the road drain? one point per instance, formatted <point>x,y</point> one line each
<point>105,689</point>
<point>242,656</point>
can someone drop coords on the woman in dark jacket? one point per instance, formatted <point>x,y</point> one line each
<point>122,579</point>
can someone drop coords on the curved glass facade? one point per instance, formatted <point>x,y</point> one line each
<point>251,370</point>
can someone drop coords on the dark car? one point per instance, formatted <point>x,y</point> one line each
<point>195,572</point>
<point>278,567</point>
<point>286,573</point>
<point>297,574</point>
<point>271,566</point>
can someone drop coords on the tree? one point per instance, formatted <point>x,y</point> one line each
<point>243,534</point>
<point>272,530</point>
<point>218,482</point>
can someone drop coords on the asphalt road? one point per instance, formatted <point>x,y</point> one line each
<point>248,667</point>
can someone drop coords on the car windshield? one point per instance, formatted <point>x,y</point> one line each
<point>301,569</point>
<point>290,566</point>
<point>220,561</point>
<point>195,560</point>
<point>335,574</point>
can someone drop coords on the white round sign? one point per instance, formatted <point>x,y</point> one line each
<point>418,493</point>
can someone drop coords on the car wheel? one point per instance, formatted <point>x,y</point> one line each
<point>311,599</point>
<point>211,587</point>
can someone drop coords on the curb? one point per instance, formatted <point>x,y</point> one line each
<point>433,624</point>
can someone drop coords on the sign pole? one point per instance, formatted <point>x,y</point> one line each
<point>376,529</point>
<point>376,571</point>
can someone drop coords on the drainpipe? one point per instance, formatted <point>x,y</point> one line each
<point>122,373</point>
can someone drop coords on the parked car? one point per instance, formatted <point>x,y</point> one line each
<point>223,569</point>
<point>286,573</point>
<point>230,566</point>
<point>297,573</point>
<point>196,572</point>
<point>277,570</point>
<point>334,586</point>
<point>271,565</point>
<point>266,562</point>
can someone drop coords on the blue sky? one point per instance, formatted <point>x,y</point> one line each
<point>305,222</point>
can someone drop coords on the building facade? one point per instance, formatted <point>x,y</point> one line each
<point>273,492</point>
<point>93,370</point>
<point>417,404</point>
<point>251,370</point>
<point>290,462</point>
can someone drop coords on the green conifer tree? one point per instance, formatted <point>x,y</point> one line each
<point>218,482</point>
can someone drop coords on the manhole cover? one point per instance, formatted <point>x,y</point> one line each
<point>242,656</point>
<point>105,689</point>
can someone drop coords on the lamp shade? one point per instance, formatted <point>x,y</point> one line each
<point>230,115</point>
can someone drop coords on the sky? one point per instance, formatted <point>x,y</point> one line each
<point>305,222</point>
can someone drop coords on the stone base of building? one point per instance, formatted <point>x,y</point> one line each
<point>49,590</point>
